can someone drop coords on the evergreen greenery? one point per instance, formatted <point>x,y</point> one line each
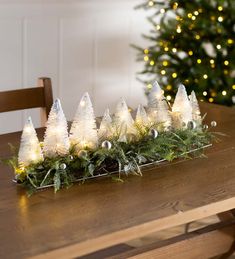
<point>123,157</point>
<point>191,42</point>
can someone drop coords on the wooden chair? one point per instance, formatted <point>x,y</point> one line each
<point>36,97</point>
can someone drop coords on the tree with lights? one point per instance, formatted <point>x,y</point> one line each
<point>157,106</point>
<point>30,150</point>
<point>192,42</point>
<point>56,140</point>
<point>83,133</point>
<point>106,127</point>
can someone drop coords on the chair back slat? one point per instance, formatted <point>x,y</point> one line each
<point>36,97</point>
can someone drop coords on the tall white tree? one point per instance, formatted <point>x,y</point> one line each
<point>181,109</point>
<point>141,116</point>
<point>56,140</point>
<point>30,150</point>
<point>123,120</point>
<point>83,133</point>
<point>157,106</point>
<point>196,114</point>
<point>106,127</point>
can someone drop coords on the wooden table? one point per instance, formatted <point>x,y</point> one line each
<point>102,213</point>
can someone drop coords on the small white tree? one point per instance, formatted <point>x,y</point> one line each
<point>30,150</point>
<point>157,106</point>
<point>56,140</point>
<point>141,117</point>
<point>106,127</point>
<point>196,114</point>
<point>83,133</point>
<point>123,120</point>
<point>181,109</point>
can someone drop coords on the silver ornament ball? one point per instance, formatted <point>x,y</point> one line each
<point>71,157</point>
<point>213,124</point>
<point>106,144</point>
<point>63,166</point>
<point>191,125</point>
<point>153,133</point>
<point>205,126</point>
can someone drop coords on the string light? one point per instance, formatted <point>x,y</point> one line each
<point>146,51</point>
<point>162,11</point>
<point>218,46</point>
<point>220,8</point>
<point>196,13</point>
<point>205,76</point>
<point>199,61</point>
<point>224,93</point>
<point>213,18</point>
<point>149,86</point>
<point>220,18</point>
<point>211,100</point>
<point>212,61</point>
<point>174,75</point>
<point>169,87</point>
<point>178,29</point>
<point>197,37</point>
<point>158,27</point>
<point>163,72</point>
<point>151,3</point>
<point>146,58</point>
<point>168,97</point>
<point>205,93</point>
<point>233,86</point>
<point>213,94</point>
<point>226,72</point>
<point>166,48</point>
<point>200,10</point>
<point>230,41</point>
<point>165,63</point>
<point>174,50</point>
<point>226,62</point>
<point>151,63</point>
<point>190,53</point>
<point>190,15</point>
<point>194,18</point>
<point>175,5</point>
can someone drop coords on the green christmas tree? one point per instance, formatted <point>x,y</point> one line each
<point>191,42</point>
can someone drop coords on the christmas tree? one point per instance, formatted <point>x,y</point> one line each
<point>123,121</point>
<point>141,117</point>
<point>181,109</point>
<point>83,133</point>
<point>191,42</point>
<point>56,140</point>
<point>196,114</point>
<point>157,106</point>
<point>106,127</point>
<point>30,150</point>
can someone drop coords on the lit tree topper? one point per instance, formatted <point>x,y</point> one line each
<point>56,140</point>
<point>30,150</point>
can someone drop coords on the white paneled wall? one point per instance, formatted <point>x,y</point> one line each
<point>83,45</point>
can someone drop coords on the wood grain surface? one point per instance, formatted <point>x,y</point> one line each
<point>102,213</point>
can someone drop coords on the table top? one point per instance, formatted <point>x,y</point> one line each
<point>101,213</point>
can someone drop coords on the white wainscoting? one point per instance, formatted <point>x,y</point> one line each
<point>82,45</point>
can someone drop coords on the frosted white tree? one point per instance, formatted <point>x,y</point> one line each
<point>106,127</point>
<point>157,106</point>
<point>141,116</point>
<point>181,109</point>
<point>30,150</point>
<point>83,131</point>
<point>123,120</point>
<point>56,140</point>
<point>196,114</point>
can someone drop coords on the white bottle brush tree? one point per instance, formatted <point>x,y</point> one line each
<point>56,140</point>
<point>181,109</point>
<point>196,114</point>
<point>106,127</point>
<point>123,121</point>
<point>83,133</point>
<point>30,150</point>
<point>157,107</point>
